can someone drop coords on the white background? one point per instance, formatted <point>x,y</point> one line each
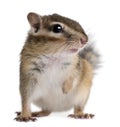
<point>101,18</point>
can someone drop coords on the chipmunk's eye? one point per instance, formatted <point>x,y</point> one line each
<point>57,28</point>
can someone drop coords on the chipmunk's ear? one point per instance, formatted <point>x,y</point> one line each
<point>35,21</point>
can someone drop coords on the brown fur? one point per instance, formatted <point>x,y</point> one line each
<point>43,43</point>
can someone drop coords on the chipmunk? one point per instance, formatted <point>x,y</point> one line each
<point>57,67</point>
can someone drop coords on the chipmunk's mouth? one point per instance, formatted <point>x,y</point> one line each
<point>73,50</point>
<point>76,48</point>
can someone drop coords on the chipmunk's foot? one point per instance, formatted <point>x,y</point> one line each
<point>81,116</point>
<point>25,119</point>
<point>37,114</point>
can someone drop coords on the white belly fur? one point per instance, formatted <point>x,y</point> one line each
<point>48,93</point>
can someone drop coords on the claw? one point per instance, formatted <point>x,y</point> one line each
<point>25,119</point>
<point>82,116</point>
<point>18,113</point>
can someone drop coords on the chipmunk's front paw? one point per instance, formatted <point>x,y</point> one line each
<point>25,119</point>
<point>21,118</point>
<point>66,88</point>
<point>82,116</point>
<point>65,91</point>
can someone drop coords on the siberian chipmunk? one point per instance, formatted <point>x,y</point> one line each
<point>56,69</point>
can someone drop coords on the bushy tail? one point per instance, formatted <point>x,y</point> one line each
<point>91,55</point>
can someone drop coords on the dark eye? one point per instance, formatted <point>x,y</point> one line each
<point>57,28</point>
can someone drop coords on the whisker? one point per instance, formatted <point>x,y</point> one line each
<point>65,45</point>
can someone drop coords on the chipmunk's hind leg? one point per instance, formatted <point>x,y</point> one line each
<point>41,113</point>
<point>83,92</point>
<point>78,114</point>
<point>79,107</point>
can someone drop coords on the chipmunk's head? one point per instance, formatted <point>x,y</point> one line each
<point>56,34</point>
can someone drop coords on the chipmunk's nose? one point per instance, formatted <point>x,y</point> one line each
<point>83,39</point>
